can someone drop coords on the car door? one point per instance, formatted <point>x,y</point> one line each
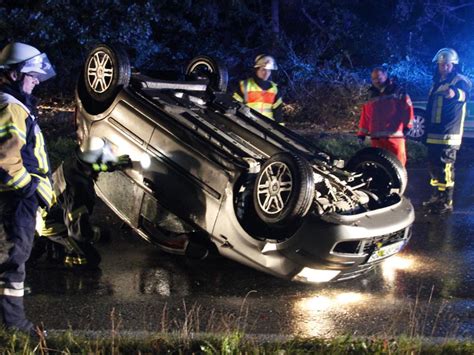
<point>129,131</point>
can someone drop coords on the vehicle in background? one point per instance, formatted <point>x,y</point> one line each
<point>418,131</point>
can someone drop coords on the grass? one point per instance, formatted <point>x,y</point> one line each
<point>231,343</point>
<point>227,336</point>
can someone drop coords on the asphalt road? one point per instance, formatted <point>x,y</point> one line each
<point>426,290</point>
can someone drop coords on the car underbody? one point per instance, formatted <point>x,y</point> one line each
<point>225,178</point>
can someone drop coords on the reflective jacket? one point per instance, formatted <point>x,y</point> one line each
<point>446,116</point>
<point>387,114</point>
<point>24,163</point>
<point>262,96</point>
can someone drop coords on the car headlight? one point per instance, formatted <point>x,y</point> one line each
<point>316,275</point>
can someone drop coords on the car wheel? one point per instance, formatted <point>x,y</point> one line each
<point>417,132</point>
<point>284,189</point>
<point>382,167</point>
<point>106,71</point>
<point>204,67</point>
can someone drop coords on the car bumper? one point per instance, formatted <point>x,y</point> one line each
<point>351,244</point>
<point>343,244</point>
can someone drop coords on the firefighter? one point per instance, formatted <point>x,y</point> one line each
<point>387,116</point>
<point>68,224</point>
<point>259,92</point>
<point>446,111</point>
<point>24,171</point>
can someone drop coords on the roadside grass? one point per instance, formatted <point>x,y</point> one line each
<point>227,335</point>
<point>231,343</point>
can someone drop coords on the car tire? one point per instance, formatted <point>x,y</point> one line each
<point>106,71</point>
<point>417,132</point>
<point>284,190</point>
<point>386,171</point>
<point>204,67</point>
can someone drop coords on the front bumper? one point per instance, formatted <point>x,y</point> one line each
<point>351,244</point>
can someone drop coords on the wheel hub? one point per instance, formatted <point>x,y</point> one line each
<point>100,72</point>
<point>274,188</point>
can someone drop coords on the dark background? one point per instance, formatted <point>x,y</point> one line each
<point>325,49</point>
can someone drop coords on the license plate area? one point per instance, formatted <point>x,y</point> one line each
<point>385,251</point>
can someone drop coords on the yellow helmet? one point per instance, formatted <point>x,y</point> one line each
<point>446,55</point>
<point>265,61</point>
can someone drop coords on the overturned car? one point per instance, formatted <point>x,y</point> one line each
<point>216,175</point>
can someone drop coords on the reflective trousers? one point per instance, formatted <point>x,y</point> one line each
<point>17,229</point>
<point>394,145</point>
<point>441,159</point>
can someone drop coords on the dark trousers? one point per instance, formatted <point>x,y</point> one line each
<point>17,228</point>
<point>441,159</point>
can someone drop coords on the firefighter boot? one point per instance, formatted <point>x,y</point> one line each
<point>433,202</point>
<point>446,203</point>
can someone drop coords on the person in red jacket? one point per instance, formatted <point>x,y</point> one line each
<point>387,115</point>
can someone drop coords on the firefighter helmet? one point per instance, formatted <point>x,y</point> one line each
<point>96,150</point>
<point>446,55</point>
<point>26,59</point>
<point>266,62</point>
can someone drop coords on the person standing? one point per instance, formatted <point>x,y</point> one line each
<point>387,116</point>
<point>446,112</point>
<point>25,177</point>
<point>259,92</point>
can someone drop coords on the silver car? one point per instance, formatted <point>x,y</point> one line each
<point>212,175</point>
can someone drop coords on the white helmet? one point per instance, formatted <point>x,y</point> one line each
<point>446,55</point>
<point>96,150</point>
<point>266,62</point>
<point>26,59</point>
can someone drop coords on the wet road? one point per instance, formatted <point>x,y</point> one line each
<point>427,290</point>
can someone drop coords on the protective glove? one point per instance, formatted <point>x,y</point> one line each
<point>361,139</point>
<point>123,162</point>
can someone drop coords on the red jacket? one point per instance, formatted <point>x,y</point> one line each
<point>386,116</point>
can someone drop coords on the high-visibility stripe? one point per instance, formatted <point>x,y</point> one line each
<point>448,139</point>
<point>244,89</point>
<point>45,190</point>
<point>74,260</point>
<point>463,117</point>
<point>14,289</point>
<point>237,97</point>
<point>438,110</point>
<point>462,95</point>
<point>13,285</point>
<point>77,213</point>
<point>40,153</point>
<point>277,103</point>
<point>444,141</point>
<point>52,230</point>
<point>448,169</point>
<point>11,128</point>
<point>20,180</point>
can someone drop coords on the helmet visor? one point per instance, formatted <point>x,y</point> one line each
<point>39,66</point>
